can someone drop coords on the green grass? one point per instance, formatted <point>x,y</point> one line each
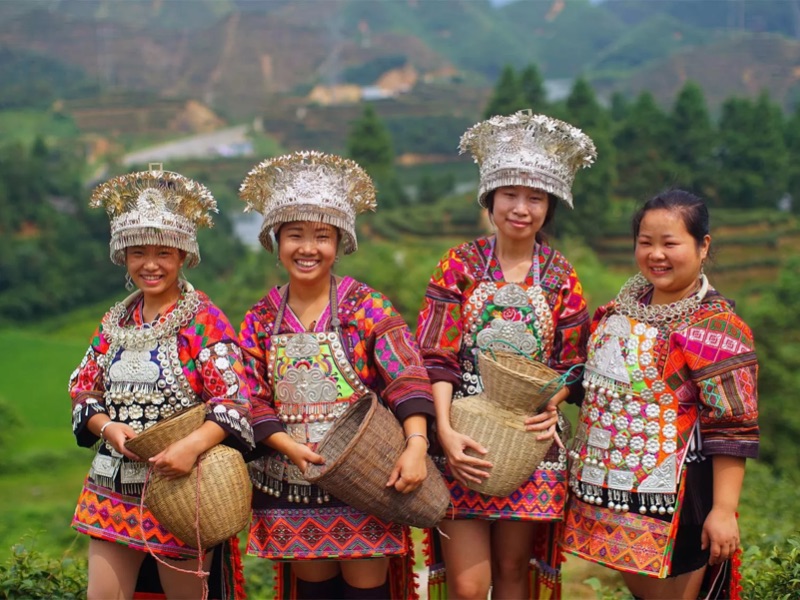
<point>41,478</point>
<point>25,125</point>
<point>37,368</point>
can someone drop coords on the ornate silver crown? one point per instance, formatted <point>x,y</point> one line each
<point>309,186</point>
<point>528,149</point>
<point>155,207</point>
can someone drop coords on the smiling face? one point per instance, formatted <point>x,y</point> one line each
<point>155,270</point>
<point>519,211</point>
<point>307,250</point>
<point>668,255</point>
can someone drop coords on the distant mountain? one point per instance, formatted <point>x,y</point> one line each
<point>236,55</point>
<point>743,65</point>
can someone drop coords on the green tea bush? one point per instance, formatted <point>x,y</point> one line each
<point>31,575</point>
<point>772,574</point>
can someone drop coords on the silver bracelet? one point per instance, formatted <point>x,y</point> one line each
<point>103,428</point>
<point>422,435</point>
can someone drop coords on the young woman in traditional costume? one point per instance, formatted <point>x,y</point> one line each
<point>669,417</point>
<point>314,346</point>
<point>509,290</point>
<point>163,349</point>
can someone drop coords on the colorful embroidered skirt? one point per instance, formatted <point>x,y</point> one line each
<point>624,541</point>
<point>114,517</point>
<point>108,515</point>
<point>285,531</point>
<point>288,531</point>
<point>542,498</point>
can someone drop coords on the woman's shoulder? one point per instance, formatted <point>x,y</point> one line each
<point>209,320</point>
<point>353,294</point>
<point>716,308</point>
<point>556,261</point>
<point>467,257</point>
<point>267,306</point>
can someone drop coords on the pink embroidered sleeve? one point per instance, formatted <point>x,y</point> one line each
<point>394,353</point>
<point>86,389</point>
<point>571,333</point>
<point>254,341</point>
<point>439,327</point>
<point>721,355</point>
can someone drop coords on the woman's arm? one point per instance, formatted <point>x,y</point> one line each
<point>177,459</point>
<point>462,466</point>
<point>298,453</point>
<point>721,530</point>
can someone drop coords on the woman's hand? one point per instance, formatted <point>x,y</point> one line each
<point>547,419</point>
<point>463,467</point>
<point>720,534</point>
<point>301,455</point>
<point>411,469</point>
<point>116,434</point>
<point>177,459</point>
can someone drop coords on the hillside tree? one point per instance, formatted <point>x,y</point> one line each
<point>593,186</point>
<point>792,139</point>
<point>369,143</point>
<point>531,87</point>
<point>752,159</point>
<point>643,162</point>
<point>507,96</point>
<point>690,141</point>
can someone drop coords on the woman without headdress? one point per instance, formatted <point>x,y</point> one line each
<point>506,291</point>
<point>314,346</point>
<point>162,350</point>
<point>669,417</point>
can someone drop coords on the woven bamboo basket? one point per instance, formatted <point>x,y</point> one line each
<point>516,383</point>
<point>175,427</point>
<point>514,452</point>
<point>223,508</point>
<point>360,451</point>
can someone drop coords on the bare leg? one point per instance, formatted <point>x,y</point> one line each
<point>113,569</point>
<point>682,587</point>
<point>182,586</point>
<point>467,556</point>
<point>315,570</point>
<point>511,552</point>
<point>368,573</point>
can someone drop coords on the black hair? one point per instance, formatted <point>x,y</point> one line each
<point>552,201</point>
<point>692,209</point>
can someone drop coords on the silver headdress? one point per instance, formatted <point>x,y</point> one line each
<point>309,186</point>
<point>526,149</point>
<point>155,207</point>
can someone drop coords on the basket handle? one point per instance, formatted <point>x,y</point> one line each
<point>560,382</point>
<point>488,347</point>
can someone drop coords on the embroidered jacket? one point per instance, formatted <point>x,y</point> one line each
<point>441,326</point>
<point>379,345</point>
<point>210,359</point>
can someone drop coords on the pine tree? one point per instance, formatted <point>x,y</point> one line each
<point>642,153</point>
<point>619,107</point>
<point>690,140</point>
<point>792,138</point>
<point>531,85</point>
<point>507,95</point>
<point>369,143</point>
<point>593,186</point>
<point>752,158</point>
